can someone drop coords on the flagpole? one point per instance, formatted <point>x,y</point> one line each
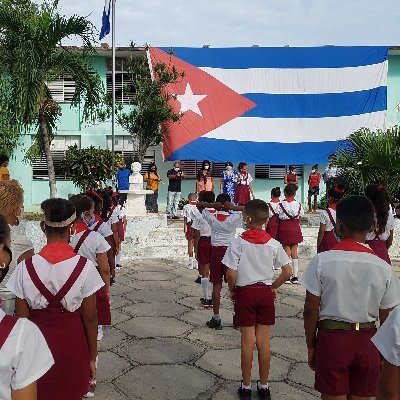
<point>113,98</point>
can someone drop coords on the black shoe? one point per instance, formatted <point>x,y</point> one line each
<point>204,302</point>
<point>175,217</point>
<point>209,303</point>
<point>263,393</point>
<point>294,280</point>
<point>214,324</point>
<point>198,280</point>
<point>244,394</point>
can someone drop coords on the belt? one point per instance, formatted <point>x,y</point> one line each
<point>345,326</point>
<point>255,285</point>
<point>205,237</point>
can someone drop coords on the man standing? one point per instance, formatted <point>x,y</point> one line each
<point>123,175</point>
<point>175,176</point>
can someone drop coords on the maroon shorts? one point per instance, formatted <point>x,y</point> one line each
<point>217,269</point>
<point>289,231</point>
<point>254,305</point>
<point>347,362</point>
<point>204,249</point>
<point>189,231</point>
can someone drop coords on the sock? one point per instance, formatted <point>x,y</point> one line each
<point>295,266</point>
<point>118,258</point>
<point>263,386</point>
<point>217,317</point>
<point>205,286</point>
<point>191,260</point>
<point>246,387</point>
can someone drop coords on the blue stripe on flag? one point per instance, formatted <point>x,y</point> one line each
<point>283,57</point>
<point>257,153</point>
<point>317,105</point>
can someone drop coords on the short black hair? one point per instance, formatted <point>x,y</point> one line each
<point>223,198</point>
<point>276,192</point>
<point>207,196</point>
<point>192,196</point>
<point>258,211</point>
<point>4,158</point>
<point>57,210</point>
<point>82,203</point>
<point>290,189</point>
<point>356,213</point>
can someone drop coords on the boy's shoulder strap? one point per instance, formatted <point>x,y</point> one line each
<point>6,326</point>
<point>81,240</point>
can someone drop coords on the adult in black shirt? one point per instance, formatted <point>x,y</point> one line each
<point>175,176</point>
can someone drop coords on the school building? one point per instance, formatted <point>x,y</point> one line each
<point>71,130</point>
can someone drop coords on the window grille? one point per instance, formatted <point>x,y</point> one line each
<point>124,90</point>
<point>276,171</point>
<point>62,89</point>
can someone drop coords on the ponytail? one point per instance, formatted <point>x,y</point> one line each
<point>380,199</point>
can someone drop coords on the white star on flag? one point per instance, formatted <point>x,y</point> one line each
<point>190,101</point>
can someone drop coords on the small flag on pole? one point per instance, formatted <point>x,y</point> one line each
<point>105,25</point>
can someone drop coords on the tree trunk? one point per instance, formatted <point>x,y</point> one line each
<point>44,131</point>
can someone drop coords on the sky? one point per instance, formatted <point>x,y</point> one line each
<point>231,23</point>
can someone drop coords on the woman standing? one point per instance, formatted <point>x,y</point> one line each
<point>204,179</point>
<point>153,180</point>
<point>228,181</point>
<point>4,173</point>
<point>291,176</point>
<point>313,188</point>
<point>244,188</point>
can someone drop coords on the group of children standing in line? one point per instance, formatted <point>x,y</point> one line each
<point>350,285</point>
<point>65,291</point>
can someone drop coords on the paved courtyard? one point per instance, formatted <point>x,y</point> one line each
<point>159,346</point>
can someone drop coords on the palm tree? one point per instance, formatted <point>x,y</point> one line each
<point>32,55</point>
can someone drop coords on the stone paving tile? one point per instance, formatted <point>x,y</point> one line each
<point>293,348</point>
<point>302,374</point>
<point>154,310</point>
<point>155,276</point>
<point>118,316</point>
<point>285,310</point>
<point>113,337</point>
<point>110,366</point>
<point>154,295</point>
<point>287,327</point>
<point>148,285</point>
<point>199,317</point>
<point>119,301</point>
<point>227,338</point>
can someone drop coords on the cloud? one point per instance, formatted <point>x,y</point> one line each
<point>225,23</point>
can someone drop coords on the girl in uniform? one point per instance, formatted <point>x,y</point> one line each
<point>273,206</point>
<point>244,188</point>
<point>381,239</point>
<point>326,238</point>
<point>56,289</point>
<point>291,176</point>
<point>313,188</point>
<point>289,231</point>
<point>122,224</point>
<point>204,179</point>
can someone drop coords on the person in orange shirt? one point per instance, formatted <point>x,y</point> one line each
<point>153,180</point>
<point>4,173</point>
<point>204,179</point>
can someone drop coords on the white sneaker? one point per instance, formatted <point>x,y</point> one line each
<point>195,264</point>
<point>100,334</point>
<point>88,395</point>
<point>190,265</point>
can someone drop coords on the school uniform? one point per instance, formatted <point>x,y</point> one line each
<point>273,220</point>
<point>121,213</point>
<point>255,255</point>
<point>328,218</point>
<point>204,246</point>
<point>242,193</point>
<point>88,244</point>
<point>378,242</point>
<point>290,212</point>
<point>223,228</point>
<point>386,340</point>
<point>105,230</point>
<point>189,212</point>
<point>353,284</point>
<point>24,354</point>
<point>54,283</point>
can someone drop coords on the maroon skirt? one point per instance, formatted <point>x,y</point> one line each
<point>328,241</point>
<point>272,226</point>
<point>289,231</point>
<point>380,249</point>
<point>68,378</point>
<point>242,195</point>
<point>103,307</point>
<point>189,231</point>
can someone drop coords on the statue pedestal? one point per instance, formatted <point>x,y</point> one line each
<point>135,202</point>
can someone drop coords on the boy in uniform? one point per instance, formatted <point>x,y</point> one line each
<point>189,212</point>
<point>252,259</point>
<point>348,289</point>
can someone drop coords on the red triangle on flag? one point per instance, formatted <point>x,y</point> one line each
<point>206,102</point>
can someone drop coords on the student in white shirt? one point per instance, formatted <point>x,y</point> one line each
<point>56,289</point>
<point>188,213</point>
<point>252,259</point>
<point>273,205</point>
<point>381,238</point>
<point>387,341</point>
<point>349,289</point>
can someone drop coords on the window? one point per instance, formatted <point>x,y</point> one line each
<point>276,171</point>
<point>62,89</point>
<point>124,91</point>
<point>59,146</point>
<point>191,167</point>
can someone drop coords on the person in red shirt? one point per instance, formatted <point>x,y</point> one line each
<point>313,188</point>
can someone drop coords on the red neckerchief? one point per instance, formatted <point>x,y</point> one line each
<point>275,200</point>
<point>97,218</point>
<point>290,199</point>
<point>352,245</point>
<point>256,236</point>
<point>80,227</point>
<point>193,203</point>
<point>222,216</point>
<point>57,252</point>
<point>211,210</point>
<point>332,206</point>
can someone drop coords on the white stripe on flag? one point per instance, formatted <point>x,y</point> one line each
<point>296,130</point>
<point>302,81</point>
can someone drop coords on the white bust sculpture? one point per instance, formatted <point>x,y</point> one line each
<point>136,179</point>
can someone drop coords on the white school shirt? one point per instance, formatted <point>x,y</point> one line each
<point>54,277</point>
<point>113,219</point>
<point>387,339</point>
<point>324,219</point>
<point>243,181</point>
<point>222,231</point>
<point>190,211</point>
<point>93,244</point>
<point>24,358</point>
<point>275,207</point>
<point>352,285</point>
<point>200,224</point>
<point>255,262</point>
<point>390,225</point>
<point>104,229</point>
<point>292,208</point>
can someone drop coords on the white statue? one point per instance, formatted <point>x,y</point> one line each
<point>136,179</point>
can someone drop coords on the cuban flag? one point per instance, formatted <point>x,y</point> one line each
<point>273,105</point>
<point>105,20</point>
